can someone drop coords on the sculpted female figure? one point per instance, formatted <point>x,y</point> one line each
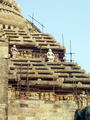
<point>50,56</point>
<point>14,51</point>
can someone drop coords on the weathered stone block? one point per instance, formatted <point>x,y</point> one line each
<point>4,51</point>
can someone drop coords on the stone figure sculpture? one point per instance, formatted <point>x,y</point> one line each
<point>50,56</point>
<point>83,99</point>
<point>14,51</point>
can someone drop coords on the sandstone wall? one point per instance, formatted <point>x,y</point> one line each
<point>3,89</point>
<point>40,110</point>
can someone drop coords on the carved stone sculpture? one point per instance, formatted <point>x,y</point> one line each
<point>50,56</point>
<point>14,51</point>
<point>60,81</point>
<point>83,99</point>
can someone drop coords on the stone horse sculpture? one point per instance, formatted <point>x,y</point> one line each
<point>83,114</point>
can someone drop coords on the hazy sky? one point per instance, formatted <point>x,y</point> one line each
<point>70,17</point>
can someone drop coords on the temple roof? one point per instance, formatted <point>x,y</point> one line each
<point>31,63</point>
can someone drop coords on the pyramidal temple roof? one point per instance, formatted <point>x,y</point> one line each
<point>31,68</point>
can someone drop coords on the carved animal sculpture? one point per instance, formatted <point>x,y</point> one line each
<point>83,114</point>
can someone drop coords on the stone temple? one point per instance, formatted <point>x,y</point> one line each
<point>36,82</point>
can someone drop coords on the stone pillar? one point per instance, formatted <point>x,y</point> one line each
<point>3,88</point>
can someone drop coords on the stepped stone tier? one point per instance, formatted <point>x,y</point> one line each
<point>41,83</point>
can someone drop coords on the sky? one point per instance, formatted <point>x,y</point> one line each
<point>68,17</point>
